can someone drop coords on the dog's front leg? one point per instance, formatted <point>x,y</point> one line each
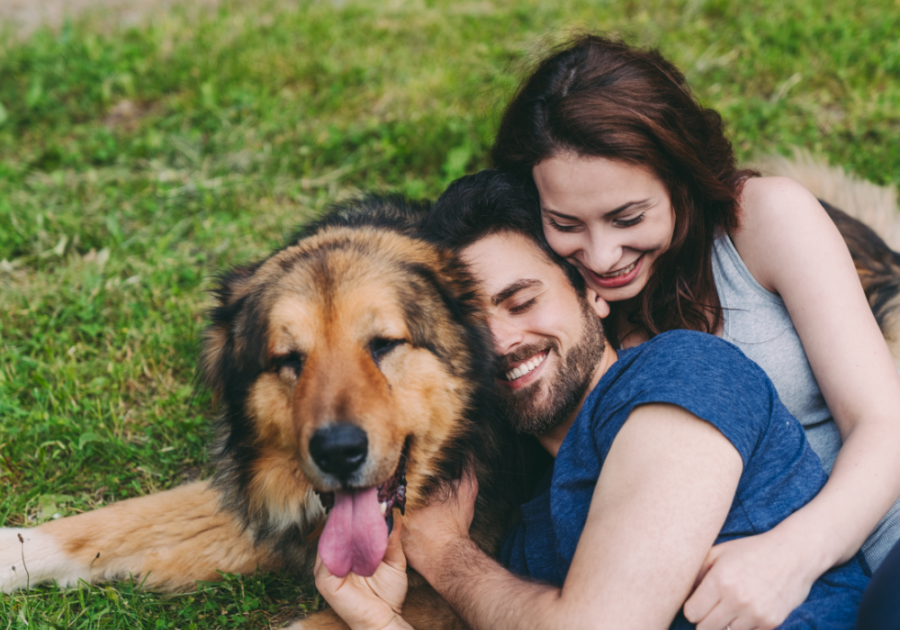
<point>166,540</point>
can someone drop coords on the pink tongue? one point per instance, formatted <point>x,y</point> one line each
<point>355,536</point>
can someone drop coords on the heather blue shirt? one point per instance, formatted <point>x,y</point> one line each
<point>713,380</point>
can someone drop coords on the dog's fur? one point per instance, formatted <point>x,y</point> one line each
<point>358,320</point>
<point>304,338</point>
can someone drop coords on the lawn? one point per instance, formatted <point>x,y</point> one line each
<point>136,163</point>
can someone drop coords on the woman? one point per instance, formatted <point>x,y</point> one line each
<point>640,192</point>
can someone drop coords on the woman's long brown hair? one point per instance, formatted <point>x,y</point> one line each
<point>603,98</point>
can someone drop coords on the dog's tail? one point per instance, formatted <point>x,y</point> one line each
<point>874,205</point>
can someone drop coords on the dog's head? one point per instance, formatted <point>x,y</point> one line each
<point>348,363</point>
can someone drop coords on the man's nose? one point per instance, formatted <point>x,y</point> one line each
<point>505,333</point>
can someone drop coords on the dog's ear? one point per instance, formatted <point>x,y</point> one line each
<point>234,284</point>
<point>230,292</point>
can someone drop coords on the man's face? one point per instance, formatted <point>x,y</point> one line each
<point>549,339</point>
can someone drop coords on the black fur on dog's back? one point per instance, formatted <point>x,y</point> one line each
<point>234,357</point>
<point>878,267</point>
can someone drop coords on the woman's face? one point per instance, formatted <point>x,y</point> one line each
<point>610,219</point>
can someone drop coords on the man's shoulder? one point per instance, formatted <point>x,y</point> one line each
<point>707,376</point>
<point>688,347</point>
<point>682,363</point>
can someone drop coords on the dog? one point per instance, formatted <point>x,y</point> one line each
<point>356,356</point>
<point>353,371</point>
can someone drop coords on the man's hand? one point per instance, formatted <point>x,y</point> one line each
<point>752,582</point>
<point>371,603</point>
<point>431,532</point>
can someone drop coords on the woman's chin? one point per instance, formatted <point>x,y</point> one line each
<point>619,294</point>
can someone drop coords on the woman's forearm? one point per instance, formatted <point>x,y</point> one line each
<point>864,484</point>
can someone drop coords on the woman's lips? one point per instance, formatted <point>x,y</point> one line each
<point>620,280</point>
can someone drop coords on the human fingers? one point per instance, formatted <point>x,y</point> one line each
<point>468,484</point>
<point>755,581</point>
<point>393,555</point>
<point>326,582</point>
<point>705,595</point>
<point>718,618</point>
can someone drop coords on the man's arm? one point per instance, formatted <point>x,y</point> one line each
<point>662,497</point>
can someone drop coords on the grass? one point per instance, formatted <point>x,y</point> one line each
<point>136,163</point>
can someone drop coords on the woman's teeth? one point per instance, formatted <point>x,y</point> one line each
<point>620,272</point>
<point>525,368</point>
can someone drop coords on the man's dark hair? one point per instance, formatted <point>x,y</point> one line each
<point>491,202</point>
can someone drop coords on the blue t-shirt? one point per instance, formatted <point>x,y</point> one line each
<point>713,380</point>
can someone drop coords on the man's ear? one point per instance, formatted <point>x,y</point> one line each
<point>600,306</point>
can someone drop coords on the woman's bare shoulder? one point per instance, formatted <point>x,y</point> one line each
<point>779,219</point>
<point>770,197</point>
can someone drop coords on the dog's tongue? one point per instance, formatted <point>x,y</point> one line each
<point>355,536</point>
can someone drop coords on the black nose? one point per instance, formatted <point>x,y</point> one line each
<point>339,449</point>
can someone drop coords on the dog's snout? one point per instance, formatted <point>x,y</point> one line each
<point>339,449</point>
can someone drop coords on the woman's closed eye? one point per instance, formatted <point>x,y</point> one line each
<point>629,222</point>
<point>562,227</point>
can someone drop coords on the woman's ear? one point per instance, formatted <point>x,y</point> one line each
<point>600,306</point>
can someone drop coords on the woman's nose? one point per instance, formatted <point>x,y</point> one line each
<point>601,253</point>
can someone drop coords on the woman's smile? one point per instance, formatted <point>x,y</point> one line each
<point>619,277</point>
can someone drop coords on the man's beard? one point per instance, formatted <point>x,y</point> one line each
<point>532,411</point>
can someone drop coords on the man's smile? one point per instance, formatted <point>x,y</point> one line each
<point>523,368</point>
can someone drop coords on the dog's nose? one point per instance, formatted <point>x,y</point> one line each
<point>339,449</point>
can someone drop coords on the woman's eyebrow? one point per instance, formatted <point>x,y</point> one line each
<point>615,211</point>
<point>511,289</point>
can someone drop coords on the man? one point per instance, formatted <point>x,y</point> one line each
<point>660,453</point>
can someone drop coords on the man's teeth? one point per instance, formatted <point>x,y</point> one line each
<point>525,368</point>
<point>620,272</point>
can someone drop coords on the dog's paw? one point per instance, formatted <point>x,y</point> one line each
<point>30,556</point>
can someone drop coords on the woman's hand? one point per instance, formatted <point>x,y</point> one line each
<point>433,530</point>
<point>752,582</point>
<point>371,603</point>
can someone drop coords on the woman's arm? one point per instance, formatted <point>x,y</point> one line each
<point>662,497</point>
<point>792,248</point>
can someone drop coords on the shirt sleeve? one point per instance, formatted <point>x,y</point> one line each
<point>701,373</point>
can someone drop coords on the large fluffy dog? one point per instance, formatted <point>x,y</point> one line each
<point>354,374</point>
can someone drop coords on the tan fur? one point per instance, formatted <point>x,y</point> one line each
<point>328,307</point>
<point>411,395</point>
<point>874,205</point>
<point>167,541</point>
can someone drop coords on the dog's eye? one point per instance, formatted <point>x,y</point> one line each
<point>379,347</point>
<point>289,365</point>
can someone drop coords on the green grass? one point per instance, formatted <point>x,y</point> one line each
<point>135,164</point>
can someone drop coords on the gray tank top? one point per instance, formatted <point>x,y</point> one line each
<point>757,321</point>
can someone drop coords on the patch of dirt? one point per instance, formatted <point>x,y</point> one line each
<point>22,17</point>
<point>126,115</point>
